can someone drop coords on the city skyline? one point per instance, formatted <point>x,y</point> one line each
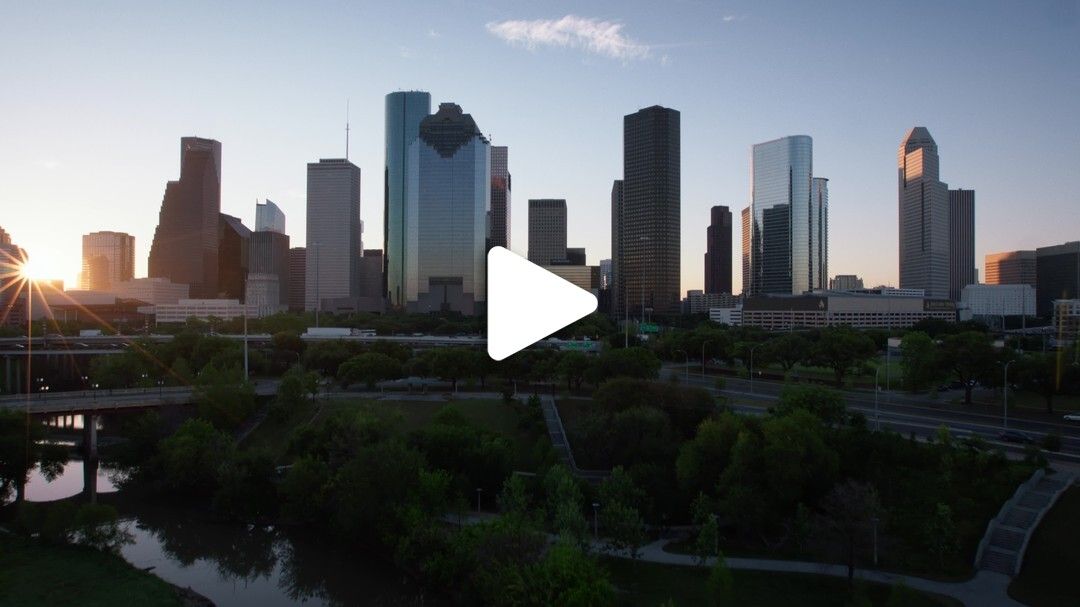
<point>269,144</point>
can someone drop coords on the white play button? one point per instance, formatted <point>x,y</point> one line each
<point>526,303</point>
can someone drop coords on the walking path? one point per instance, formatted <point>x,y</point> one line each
<point>986,589</point>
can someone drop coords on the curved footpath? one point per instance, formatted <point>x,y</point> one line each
<point>986,589</point>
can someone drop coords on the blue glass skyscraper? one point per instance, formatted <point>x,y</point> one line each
<point>448,194</point>
<point>404,111</point>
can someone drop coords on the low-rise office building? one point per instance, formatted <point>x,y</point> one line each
<point>999,300</point>
<point>1067,318</point>
<point>203,309</point>
<point>858,310</point>
<point>154,291</point>
<point>731,317</point>
<point>700,302</point>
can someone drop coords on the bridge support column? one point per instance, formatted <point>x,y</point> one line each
<point>90,436</point>
<point>90,470</point>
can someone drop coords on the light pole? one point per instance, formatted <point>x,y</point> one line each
<point>687,367</point>
<point>478,492</point>
<point>95,386</point>
<point>877,389</point>
<point>1005,396</point>
<point>752,348</point>
<point>703,356</point>
<point>874,520</point>
<point>596,520</point>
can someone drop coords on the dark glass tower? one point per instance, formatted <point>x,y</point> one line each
<point>404,111</point>
<point>961,241</point>
<point>499,223</point>
<point>185,246</point>
<point>1057,271</point>
<point>648,266</point>
<point>615,286</point>
<point>718,251</point>
<point>233,252</point>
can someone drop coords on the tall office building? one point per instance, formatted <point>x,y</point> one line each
<point>499,222</point>
<point>1010,268</point>
<point>234,250</point>
<point>961,241</point>
<point>1057,269</point>
<point>448,193</point>
<point>718,251</point>
<point>108,258</point>
<point>333,231</point>
<point>12,295</point>
<point>404,112</point>
<point>185,245</point>
<point>605,273</point>
<point>269,218</point>
<point>617,294</point>
<point>575,256</point>
<point>789,219</point>
<point>746,250</point>
<point>648,266</point>
<point>297,281</point>
<point>819,233</point>
<point>924,216</point>
<point>269,257</point>
<point>547,231</point>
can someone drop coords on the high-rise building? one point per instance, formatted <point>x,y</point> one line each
<point>499,222</point>
<point>547,231</point>
<point>789,219</point>
<point>12,293</point>
<point>846,282</point>
<point>648,265</point>
<point>618,294</point>
<point>297,281</point>
<point>371,278</point>
<point>404,112</point>
<point>269,218</point>
<point>1057,271</point>
<point>333,231</point>
<point>605,273</point>
<point>924,216</point>
<point>269,256</point>
<point>819,233</point>
<point>746,250</point>
<point>108,258</point>
<point>234,251</point>
<point>185,245</point>
<point>575,256</point>
<point>961,241</point>
<point>1010,268</point>
<point>449,190</point>
<point>718,251</point>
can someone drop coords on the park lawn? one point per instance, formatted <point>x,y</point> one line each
<point>641,583</point>
<point>34,574</point>
<point>1053,557</point>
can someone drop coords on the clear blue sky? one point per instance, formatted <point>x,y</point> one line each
<point>94,99</point>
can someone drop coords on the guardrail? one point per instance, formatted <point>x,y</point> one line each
<point>550,401</point>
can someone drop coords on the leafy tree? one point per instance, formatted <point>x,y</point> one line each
<point>246,487</point>
<point>620,511</point>
<point>940,534</point>
<point>827,405</point>
<point>788,349</point>
<point>572,367</point>
<point>920,361</point>
<point>371,489</point>
<point>970,356</point>
<point>304,490</point>
<point>22,447</point>
<point>635,362</point>
<point>327,356</point>
<point>720,582</point>
<point>117,371</point>
<point>452,364</point>
<point>98,526</point>
<point>564,503</point>
<point>847,517</point>
<point>708,537</point>
<point>190,460</point>
<point>798,464</point>
<point>223,398</point>
<point>369,368</point>
<point>702,459</point>
<point>841,349</point>
<point>1041,373</point>
<point>513,500</point>
<point>291,394</point>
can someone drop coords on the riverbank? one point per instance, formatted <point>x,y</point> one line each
<point>36,574</point>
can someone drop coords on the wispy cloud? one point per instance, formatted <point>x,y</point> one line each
<point>604,38</point>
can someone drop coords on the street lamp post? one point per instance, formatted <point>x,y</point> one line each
<point>703,357</point>
<point>478,492</point>
<point>1005,397</point>
<point>686,369</point>
<point>874,520</point>
<point>596,520</point>
<point>877,389</point>
<point>752,348</point>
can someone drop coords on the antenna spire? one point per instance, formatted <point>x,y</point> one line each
<point>346,128</point>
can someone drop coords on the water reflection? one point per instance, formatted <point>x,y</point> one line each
<point>236,565</point>
<point>72,481</point>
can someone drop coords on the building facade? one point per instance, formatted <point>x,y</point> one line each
<point>153,291</point>
<point>788,219</point>
<point>961,241</point>
<point>700,302</point>
<point>234,251</point>
<point>297,278</point>
<point>746,250</point>
<point>1010,268</point>
<point>1057,270</point>
<point>12,296</point>
<point>547,231</point>
<point>998,300</point>
<point>924,216</point>
<point>845,282</point>
<point>860,311</point>
<point>404,112</point>
<point>333,231</point>
<point>185,245</point>
<point>617,295</point>
<point>718,251</point>
<point>648,265</point>
<point>499,222</point>
<point>107,258</point>
<point>203,309</point>
<point>448,194</point>
<point>269,256</point>
<point>268,217</point>
<point>582,276</point>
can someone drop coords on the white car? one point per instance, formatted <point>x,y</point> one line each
<point>1072,417</point>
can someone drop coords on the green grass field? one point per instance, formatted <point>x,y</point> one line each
<point>639,583</point>
<point>33,574</point>
<point>1053,557</point>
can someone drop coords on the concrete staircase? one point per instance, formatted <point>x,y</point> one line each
<point>557,434</point>
<point>1002,547</point>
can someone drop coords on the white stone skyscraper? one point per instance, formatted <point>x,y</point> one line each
<point>924,216</point>
<point>333,231</point>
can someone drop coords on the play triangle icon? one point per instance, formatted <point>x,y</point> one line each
<point>526,303</point>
